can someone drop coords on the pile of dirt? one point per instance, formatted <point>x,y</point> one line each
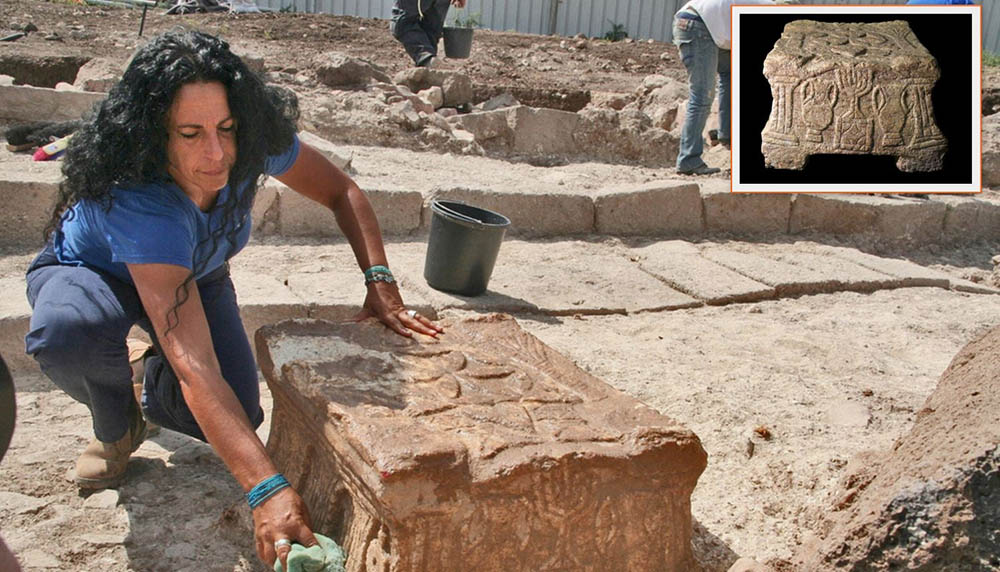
<point>624,121</point>
<point>542,71</point>
<point>930,502</point>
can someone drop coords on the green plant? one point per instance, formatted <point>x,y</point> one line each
<point>991,60</point>
<point>467,20</point>
<point>617,32</point>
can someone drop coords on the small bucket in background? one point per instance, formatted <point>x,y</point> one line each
<point>457,42</point>
<point>463,246</point>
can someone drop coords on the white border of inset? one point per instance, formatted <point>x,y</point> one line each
<point>737,186</point>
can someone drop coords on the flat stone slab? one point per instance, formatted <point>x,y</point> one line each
<point>28,192</point>
<point>894,220</point>
<point>681,265</point>
<point>554,278</point>
<point>481,450</point>
<point>398,212</point>
<point>662,208</point>
<point>531,214</point>
<point>793,271</point>
<point>15,315</point>
<point>744,213</point>
<point>265,299</point>
<point>908,273</point>
<point>27,103</point>
<point>855,89</point>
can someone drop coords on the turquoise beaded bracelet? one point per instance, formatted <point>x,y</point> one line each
<point>266,489</point>
<point>377,269</point>
<point>379,273</point>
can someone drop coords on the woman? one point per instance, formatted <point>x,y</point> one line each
<point>156,198</point>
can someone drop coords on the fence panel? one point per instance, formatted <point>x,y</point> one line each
<point>642,19</point>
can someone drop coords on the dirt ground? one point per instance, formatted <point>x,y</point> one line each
<point>553,68</point>
<point>828,376</point>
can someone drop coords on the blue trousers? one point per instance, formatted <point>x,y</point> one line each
<point>81,317</point>
<point>420,36</point>
<point>704,61</point>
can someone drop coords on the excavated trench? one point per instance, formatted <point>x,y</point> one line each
<point>41,71</point>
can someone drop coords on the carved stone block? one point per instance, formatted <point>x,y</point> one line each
<point>483,450</point>
<point>851,88</point>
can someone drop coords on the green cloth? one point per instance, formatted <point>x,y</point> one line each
<point>326,556</point>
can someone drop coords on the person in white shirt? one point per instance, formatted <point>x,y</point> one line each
<point>702,31</point>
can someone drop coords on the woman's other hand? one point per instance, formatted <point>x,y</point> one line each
<point>280,521</point>
<point>384,302</point>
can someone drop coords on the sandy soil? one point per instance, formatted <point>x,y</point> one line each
<point>827,376</point>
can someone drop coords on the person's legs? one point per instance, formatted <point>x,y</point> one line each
<point>433,22</point>
<point>77,333</point>
<point>725,108</point>
<point>407,27</point>
<point>162,400</point>
<point>700,56</point>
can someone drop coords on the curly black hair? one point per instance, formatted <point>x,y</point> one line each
<point>125,140</point>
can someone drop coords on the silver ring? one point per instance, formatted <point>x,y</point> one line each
<point>282,542</point>
<point>412,313</point>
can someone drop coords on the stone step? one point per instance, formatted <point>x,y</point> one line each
<point>277,280</point>
<point>573,200</point>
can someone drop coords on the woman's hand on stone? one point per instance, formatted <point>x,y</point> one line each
<point>384,302</point>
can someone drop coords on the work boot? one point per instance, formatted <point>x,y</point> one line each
<point>102,465</point>
<point>138,351</point>
<point>702,170</point>
<point>425,60</point>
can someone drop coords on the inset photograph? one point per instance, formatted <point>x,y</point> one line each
<point>856,99</point>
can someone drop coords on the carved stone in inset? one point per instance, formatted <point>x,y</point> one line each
<point>889,108</point>
<point>818,100</point>
<point>851,88</point>
<point>482,450</point>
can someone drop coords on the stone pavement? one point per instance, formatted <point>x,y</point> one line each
<point>277,279</point>
<point>562,255</point>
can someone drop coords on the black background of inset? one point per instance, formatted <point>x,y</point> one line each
<point>948,37</point>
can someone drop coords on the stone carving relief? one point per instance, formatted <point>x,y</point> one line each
<point>482,450</point>
<point>851,88</point>
<point>818,100</point>
<point>889,104</point>
<point>854,128</point>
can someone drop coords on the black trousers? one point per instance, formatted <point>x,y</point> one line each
<point>419,35</point>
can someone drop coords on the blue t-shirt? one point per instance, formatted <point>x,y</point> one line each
<point>156,223</point>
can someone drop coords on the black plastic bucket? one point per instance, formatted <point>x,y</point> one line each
<point>463,247</point>
<point>457,42</point>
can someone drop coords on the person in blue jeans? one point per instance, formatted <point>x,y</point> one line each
<point>156,198</point>
<point>418,25</point>
<point>702,32</point>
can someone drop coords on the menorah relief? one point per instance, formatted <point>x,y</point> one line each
<point>854,89</point>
